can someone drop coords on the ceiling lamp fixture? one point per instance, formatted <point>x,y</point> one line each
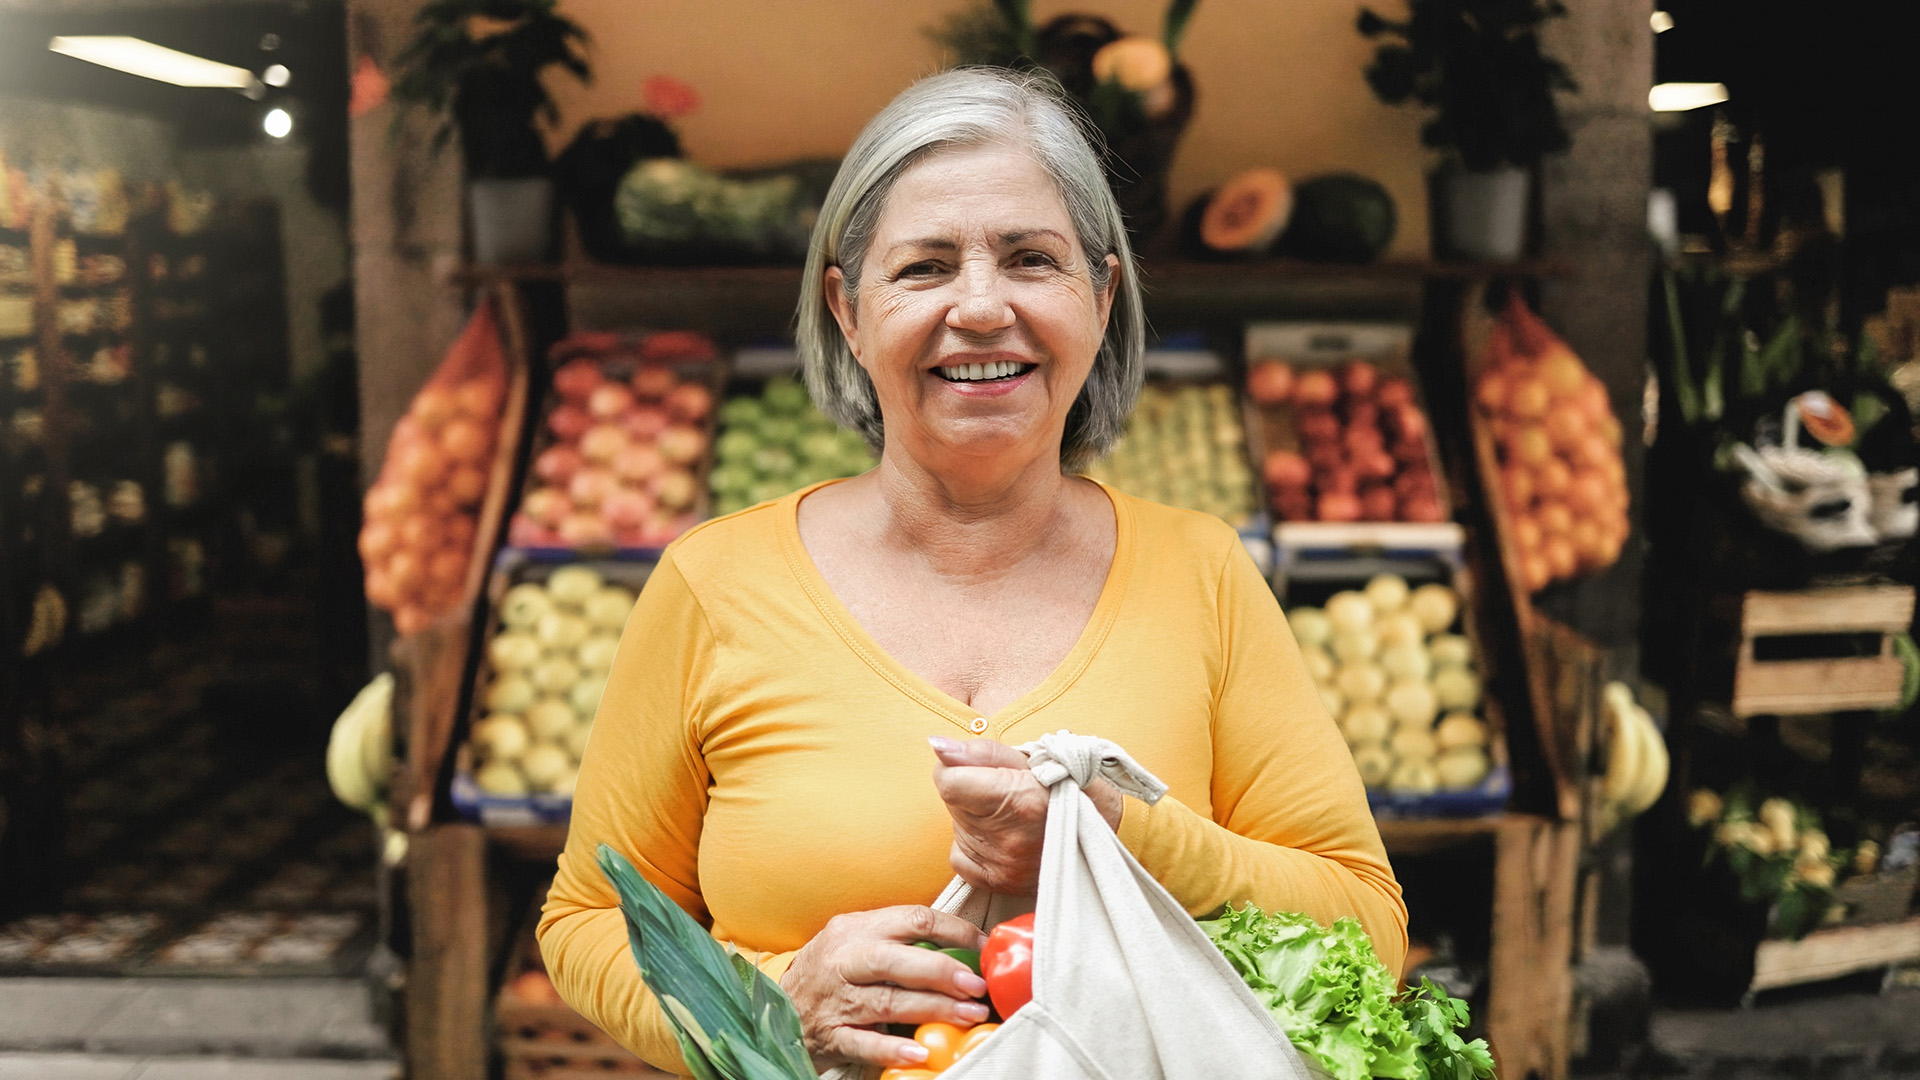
<point>1662,21</point>
<point>278,123</point>
<point>137,57</point>
<point>1682,96</point>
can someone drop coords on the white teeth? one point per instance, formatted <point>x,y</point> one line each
<point>999,369</point>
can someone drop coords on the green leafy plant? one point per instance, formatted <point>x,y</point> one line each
<point>732,1022</point>
<point>1477,64</point>
<point>1776,849</point>
<point>480,65</point>
<point>1335,999</point>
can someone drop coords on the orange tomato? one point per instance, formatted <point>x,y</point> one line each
<point>405,574</point>
<point>1590,489</point>
<point>900,1072</point>
<point>432,407</point>
<point>1596,451</point>
<point>942,1042</point>
<point>1529,398</point>
<point>416,531</point>
<point>1552,479</point>
<point>975,1036</point>
<point>1554,517</point>
<point>377,538</point>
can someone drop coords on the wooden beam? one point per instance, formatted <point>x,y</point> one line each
<point>1530,978</point>
<point>447,978</point>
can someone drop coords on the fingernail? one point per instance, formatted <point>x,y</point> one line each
<point>913,1053</point>
<point>970,984</point>
<point>942,745</point>
<point>971,1010</point>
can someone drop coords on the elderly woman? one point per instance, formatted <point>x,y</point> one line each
<point>762,752</point>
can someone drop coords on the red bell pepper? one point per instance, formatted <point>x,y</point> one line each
<point>1007,965</point>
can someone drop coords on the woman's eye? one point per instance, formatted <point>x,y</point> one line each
<point>919,269</point>
<point>1034,259</point>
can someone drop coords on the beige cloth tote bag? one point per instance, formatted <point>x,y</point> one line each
<point>1125,985</point>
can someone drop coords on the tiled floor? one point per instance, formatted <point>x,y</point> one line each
<point>134,1019</point>
<point>109,1067</point>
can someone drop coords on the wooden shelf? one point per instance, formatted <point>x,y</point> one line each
<point>1180,294</point>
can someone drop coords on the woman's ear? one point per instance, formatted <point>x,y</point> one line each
<point>836,290</point>
<point>1104,299</point>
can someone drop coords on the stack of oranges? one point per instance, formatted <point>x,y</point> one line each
<point>945,1045</point>
<point>1561,473</point>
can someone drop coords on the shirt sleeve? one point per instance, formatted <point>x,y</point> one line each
<point>643,792</point>
<point>1291,830</point>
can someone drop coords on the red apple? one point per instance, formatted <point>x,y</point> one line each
<point>682,444</point>
<point>1363,414</point>
<point>1363,440</point>
<point>690,402</point>
<point>1270,382</point>
<point>1414,483</point>
<point>585,530</point>
<point>1394,392</point>
<point>603,442</point>
<point>627,509</point>
<point>1409,424</point>
<point>608,401</point>
<point>576,379</point>
<point>1315,389</point>
<point>1342,480</point>
<point>1294,505</point>
<point>1411,452</point>
<point>652,381</point>
<point>1358,379</point>
<point>646,422</point>
<point>569,422</point>
<point>1375,465</point>
<point>675,488</point>
<point>1422,508</point>
<point>1337,506</point>
<point>526,532</point>
<point>557,464</point>
<point>1317,425</point>
<point>638,463</point>
<point>1285,469</point>
<point>1327,455</point>
<point>1377,503</point>
<point>546,506</point>
<point>589,486</point>
<point>678,345</point>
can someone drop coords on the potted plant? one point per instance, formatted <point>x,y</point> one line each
<point>1132,86</point>
<point>480,65</point>
<point>1478,66</point>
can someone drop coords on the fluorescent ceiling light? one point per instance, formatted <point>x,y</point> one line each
<point>144,58</point>
<point>1662,22</point>
<point>276,75</point>
<point>1681,96</point>
<point>278,123</point>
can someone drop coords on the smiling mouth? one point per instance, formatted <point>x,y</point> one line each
<point>994,372</point>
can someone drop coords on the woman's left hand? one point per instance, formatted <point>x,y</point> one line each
<point>1000,813</point>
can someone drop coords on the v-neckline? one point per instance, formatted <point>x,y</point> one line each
<point>919,688</point>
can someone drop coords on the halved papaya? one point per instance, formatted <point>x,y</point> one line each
<point>1247,212</point>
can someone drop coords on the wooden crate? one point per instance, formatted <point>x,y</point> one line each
<point>1789,686</point>
<point>1829,954</point>
<point>541,1040</point>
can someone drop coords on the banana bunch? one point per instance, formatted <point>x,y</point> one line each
<point>360,750</point>
<point>1636,757</point>
<point>48,623</point>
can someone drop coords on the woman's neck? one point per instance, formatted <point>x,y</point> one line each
<point>972,526</point>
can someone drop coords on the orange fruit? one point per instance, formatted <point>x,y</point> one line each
<point>1535,573</point>
<point>1567,425</point>
<point>1527,535</point>
<point>1555,519</point>
<point>1529,398</point>
<point>1591,490</point>
<point>1491,392</point>
<point>1518,483</point>
<point>1559,554</point>
<point>1595,451</point>
<point>1552,479</point>
<point>1531,446</point>
<point>1560,370</point>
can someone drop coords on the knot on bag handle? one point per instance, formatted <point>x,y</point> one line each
<point>1055,757</point>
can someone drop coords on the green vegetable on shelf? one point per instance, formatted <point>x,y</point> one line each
<point>778,442</point>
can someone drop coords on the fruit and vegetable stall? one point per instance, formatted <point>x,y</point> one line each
<point>1295,404</point>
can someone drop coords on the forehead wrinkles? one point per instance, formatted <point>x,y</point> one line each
<point>941,200</point>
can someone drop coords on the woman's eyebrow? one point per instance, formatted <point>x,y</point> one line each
<point>1024,235</point>
<point>931,243</point>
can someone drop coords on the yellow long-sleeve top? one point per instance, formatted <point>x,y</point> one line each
<point>760,759</point>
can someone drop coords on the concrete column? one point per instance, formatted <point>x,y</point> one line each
<point>1594,200</point>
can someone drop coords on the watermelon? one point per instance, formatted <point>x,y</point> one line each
<point>1338,218</point>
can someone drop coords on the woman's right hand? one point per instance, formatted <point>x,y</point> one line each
<point>863,971</point>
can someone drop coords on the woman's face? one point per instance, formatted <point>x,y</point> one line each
<point>976,317</point>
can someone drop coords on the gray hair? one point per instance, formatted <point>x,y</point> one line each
<point>970,107</point>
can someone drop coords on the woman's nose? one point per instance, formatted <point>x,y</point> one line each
<point>980,305</point>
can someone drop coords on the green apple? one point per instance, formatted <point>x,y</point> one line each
<point>511,694</point>
<point>550,719</point>
<point>523,605</point>
<point>569,586</point>
<point>555,675</point>
<point>513,651</point>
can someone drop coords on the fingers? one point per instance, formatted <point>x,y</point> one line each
<point>987,791</point>
<point>872,1047</point>
<point>913,969</point>
<point>915,922</point>
<point>979,753</point>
